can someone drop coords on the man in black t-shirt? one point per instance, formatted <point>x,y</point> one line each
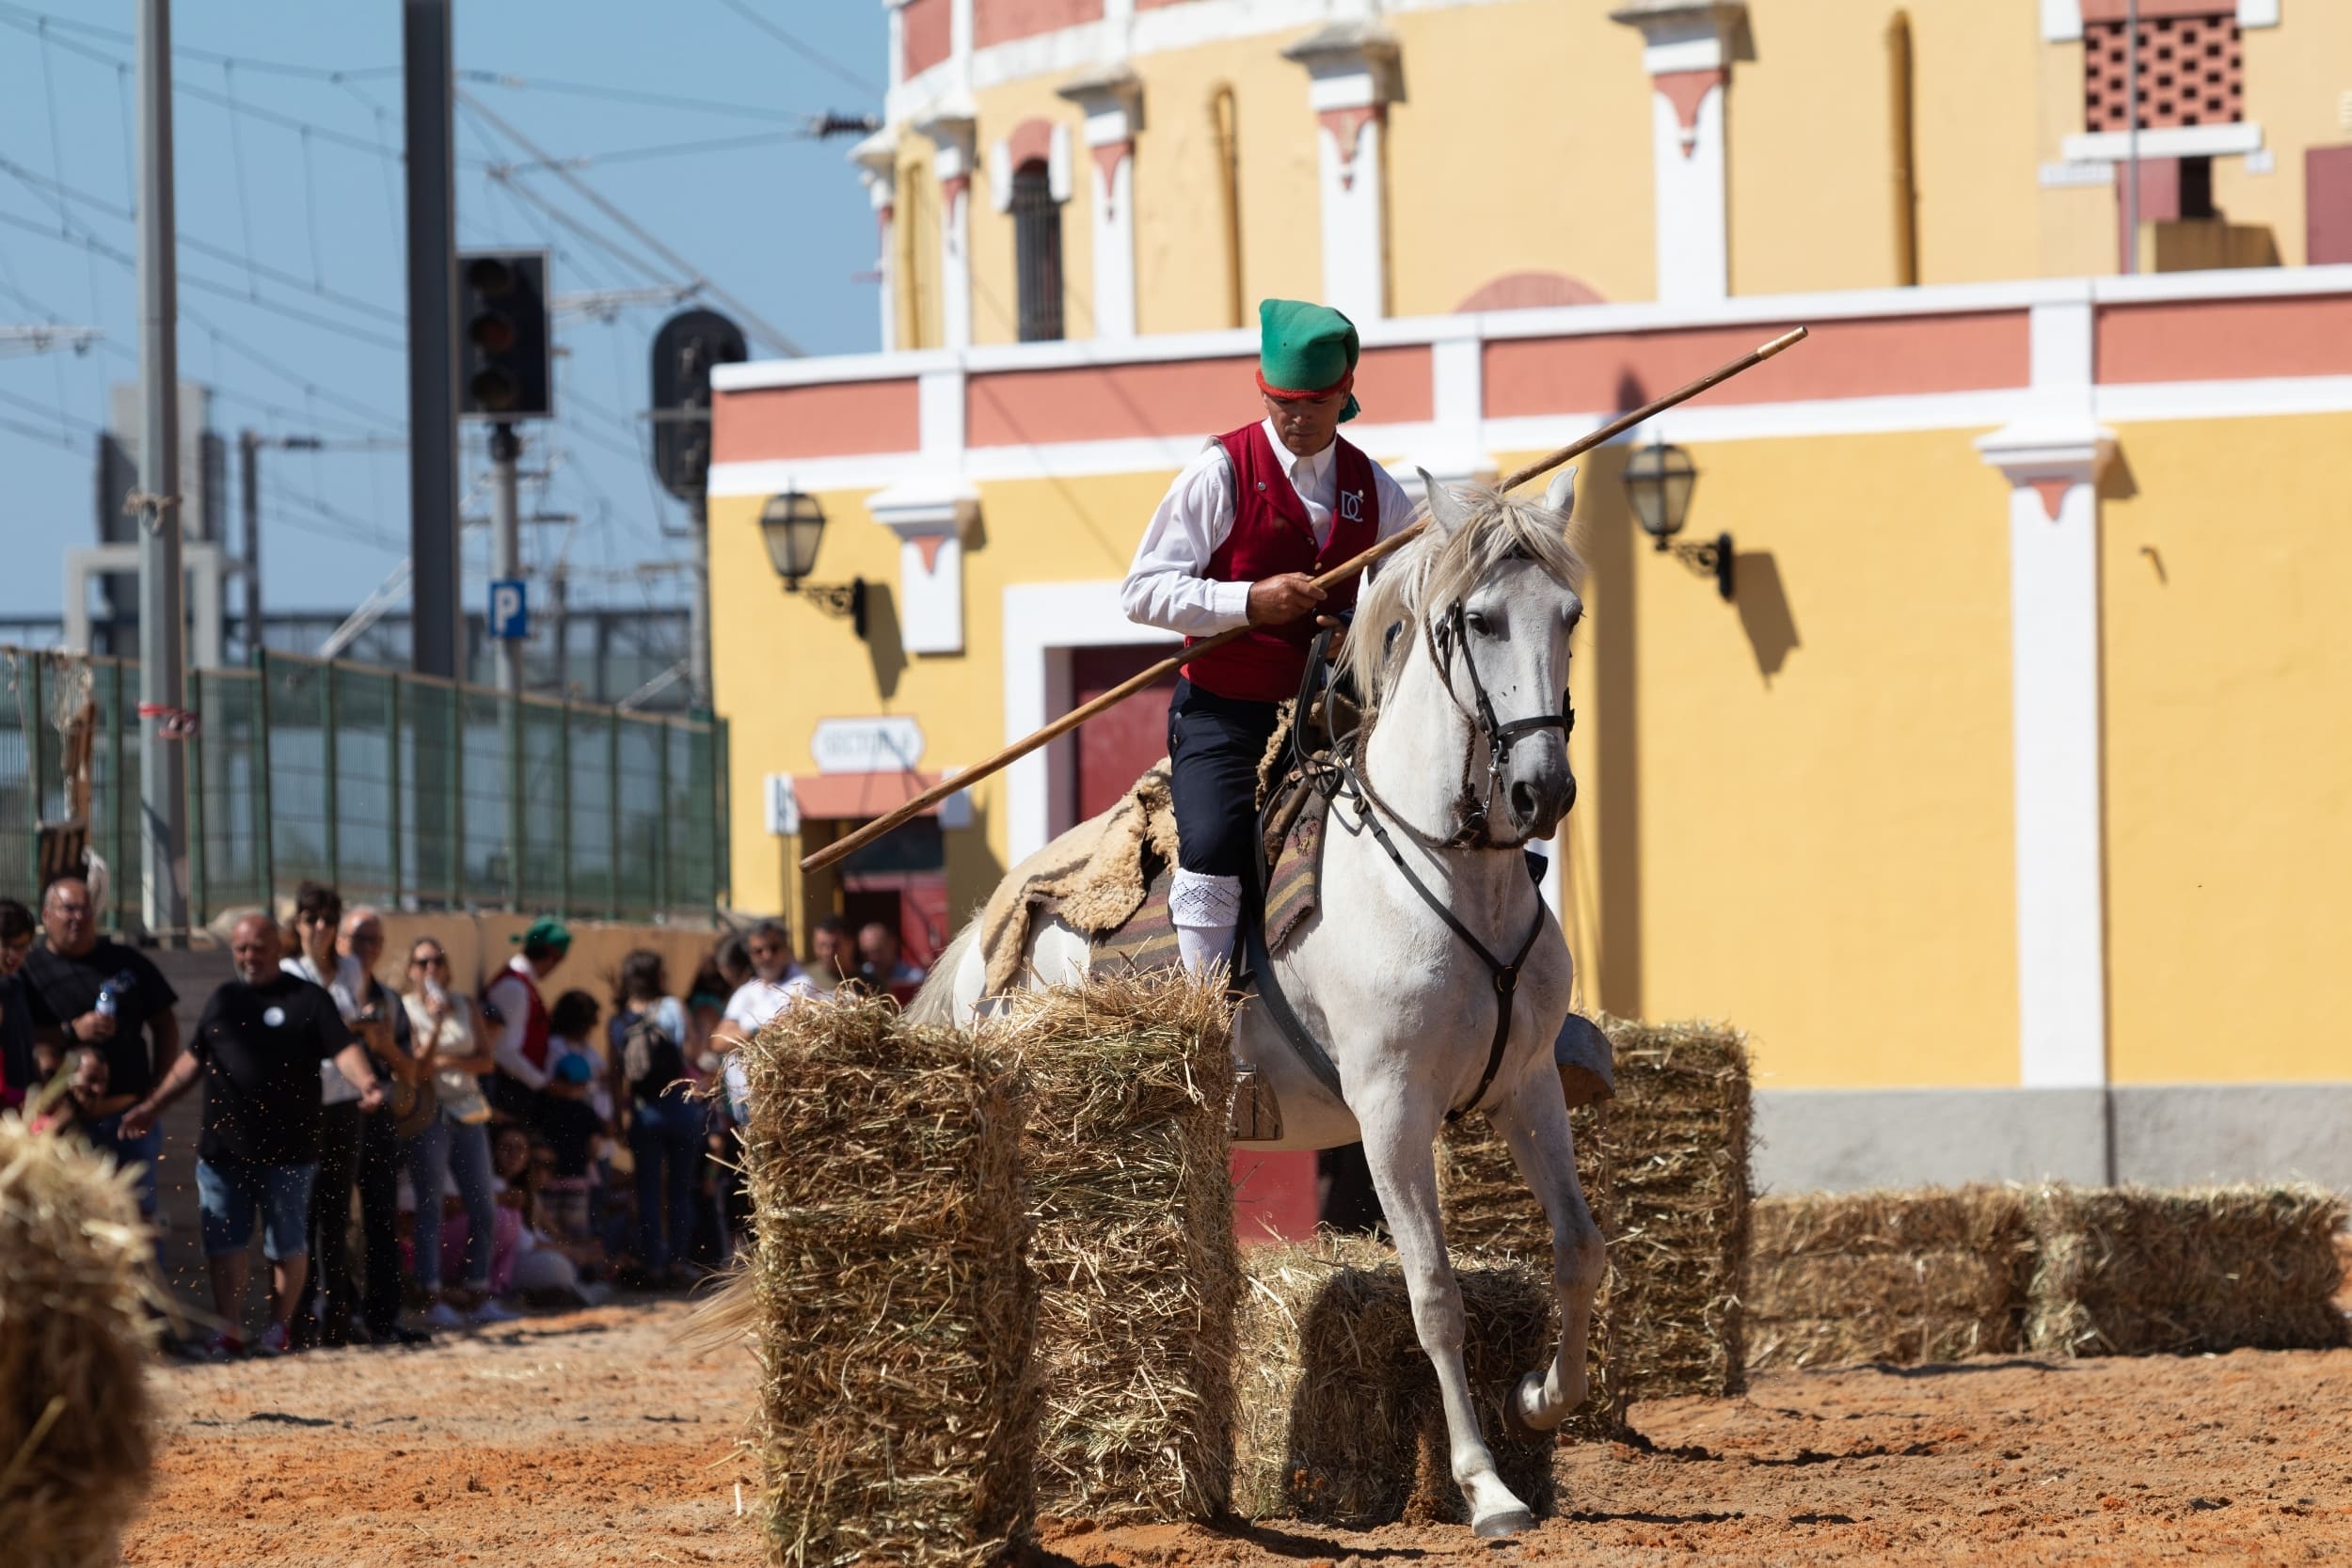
<point>258,1049</point>
<point>86,989</point>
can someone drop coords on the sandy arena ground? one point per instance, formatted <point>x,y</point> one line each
<point>588,1439</point>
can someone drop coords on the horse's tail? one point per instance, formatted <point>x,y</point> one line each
<point>727,1312</point>
<point>936,1002</point>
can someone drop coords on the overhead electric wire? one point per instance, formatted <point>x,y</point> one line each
<point>751,319</point>
<point>51,191</point>
<point>625,95</point>
<point>805,50</point>
<point>665,149</point>
<point>226,291</point>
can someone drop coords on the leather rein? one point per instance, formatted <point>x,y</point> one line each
<point>1343,775</point>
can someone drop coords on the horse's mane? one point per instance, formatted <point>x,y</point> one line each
<point>1439,569</point>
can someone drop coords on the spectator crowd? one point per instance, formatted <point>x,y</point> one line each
<point>527,1145</point>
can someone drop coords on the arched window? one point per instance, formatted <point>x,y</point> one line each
<point>1037,251</point>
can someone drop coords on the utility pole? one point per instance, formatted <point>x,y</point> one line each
<point>438,624</point>
<point>559,623</point>
<point>249,445</point>
<point>506,545</point>
<point>163,787</point>
<point>248,471</point>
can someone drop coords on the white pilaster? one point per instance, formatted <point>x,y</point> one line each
<point>2053,454</point>
<point>877,158</point>
<point>1688,49</point>
<point>1351,77</point>
<point>950,134</point>
<point>1113,102</point>
<point>1458,374</point>
<point>932,518</point>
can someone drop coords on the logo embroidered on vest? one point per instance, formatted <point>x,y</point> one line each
<point>1352,506</point>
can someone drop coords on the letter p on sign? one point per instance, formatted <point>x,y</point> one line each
<point>510,611</point>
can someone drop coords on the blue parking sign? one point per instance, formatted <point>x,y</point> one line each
<point>509,610</point>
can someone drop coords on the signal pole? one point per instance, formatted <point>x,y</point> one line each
<point>162,788</point>
<point>440,627</point>
<point>506,543</point>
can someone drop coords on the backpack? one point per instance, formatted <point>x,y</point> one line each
<point>650,1059</point>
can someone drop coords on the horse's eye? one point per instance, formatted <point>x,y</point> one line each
<point>1477,622</point>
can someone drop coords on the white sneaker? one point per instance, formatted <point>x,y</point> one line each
<point>442,1315</point>
<point>491,1312</point>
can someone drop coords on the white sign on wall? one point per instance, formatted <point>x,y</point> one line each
<point>784,806</point>
<point>883,745</point>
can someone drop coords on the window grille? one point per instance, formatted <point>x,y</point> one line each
<point>2191,72</point>
<point>1037,252</point>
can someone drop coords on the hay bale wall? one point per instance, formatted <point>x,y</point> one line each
<point>1134,1248</point>
<point>1899,1276</point>
<point>77,1332</point>
<point>1665,1169</point>
<point>2131,1271</point>
<point>1340,1417</point>
<point>898,1411</point>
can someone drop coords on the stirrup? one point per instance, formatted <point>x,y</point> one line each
<point>1255,1116</point>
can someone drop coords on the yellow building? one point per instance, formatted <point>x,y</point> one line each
<point>2003,801</point>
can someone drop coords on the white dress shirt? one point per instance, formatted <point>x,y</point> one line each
<point>348,986</point>
<point>1165,587</point>
<point>509,993</point>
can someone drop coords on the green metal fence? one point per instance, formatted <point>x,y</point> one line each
<point>396,789</point>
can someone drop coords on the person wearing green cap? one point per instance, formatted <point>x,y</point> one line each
<point>1238,540</point>
<point>521,1048</point>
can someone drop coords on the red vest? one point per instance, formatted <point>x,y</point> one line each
<point>1271,535</point>
<point>535,1019</point>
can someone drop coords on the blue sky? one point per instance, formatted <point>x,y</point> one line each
<point>291,223</point>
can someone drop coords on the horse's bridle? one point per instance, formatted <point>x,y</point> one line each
<point>1476,831</point>
<point>1473,834</point>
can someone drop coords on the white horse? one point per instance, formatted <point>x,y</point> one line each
<point>1461,647</point>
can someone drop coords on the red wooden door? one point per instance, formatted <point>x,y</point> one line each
<point>1114,749</point>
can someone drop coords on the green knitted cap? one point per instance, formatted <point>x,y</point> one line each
<point>1305,348</point>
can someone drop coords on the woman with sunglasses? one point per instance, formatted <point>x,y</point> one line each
<point>455,1143</point>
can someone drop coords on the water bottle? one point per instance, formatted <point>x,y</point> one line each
<point>106,1004</point>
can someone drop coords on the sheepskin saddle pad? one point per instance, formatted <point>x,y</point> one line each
<point>1107,879</point>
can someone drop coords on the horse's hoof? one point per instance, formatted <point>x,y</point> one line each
<point>1514,1521</point>
<point>1515,1423</point>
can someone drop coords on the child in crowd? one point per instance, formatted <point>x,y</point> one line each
<point>85,1087</point>
<point>572,1029</point>
<point>576,1134</point>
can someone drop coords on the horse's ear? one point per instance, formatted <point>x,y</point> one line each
<point>1445,508</point>
<point>1560,495</point>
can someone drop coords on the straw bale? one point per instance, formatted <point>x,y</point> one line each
<point>2135,1271</point>
<point>1678,1144</point>
<point>1132,1197</point>
<point>78,1322</point>
<point>1899,1276</point>
<point>1341,1420</point>
<point>897,1311</point>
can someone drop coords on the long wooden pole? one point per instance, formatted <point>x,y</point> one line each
<point>1397,541</point>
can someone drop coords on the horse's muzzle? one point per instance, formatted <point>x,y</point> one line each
<point>1539,797</point>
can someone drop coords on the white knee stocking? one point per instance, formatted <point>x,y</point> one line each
<point>1204,911</point>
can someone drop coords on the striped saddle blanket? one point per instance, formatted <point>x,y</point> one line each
<point>1147,940</point>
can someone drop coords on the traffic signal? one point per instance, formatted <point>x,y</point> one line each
<point>503,335</point>
<point>684,351</point>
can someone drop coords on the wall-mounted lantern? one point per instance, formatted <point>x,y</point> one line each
<point>794,525</point>
<point>1658,480</point>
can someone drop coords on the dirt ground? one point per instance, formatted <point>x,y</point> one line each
<point>589,1439</point>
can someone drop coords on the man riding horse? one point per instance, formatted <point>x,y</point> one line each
<point>1239,539</point>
